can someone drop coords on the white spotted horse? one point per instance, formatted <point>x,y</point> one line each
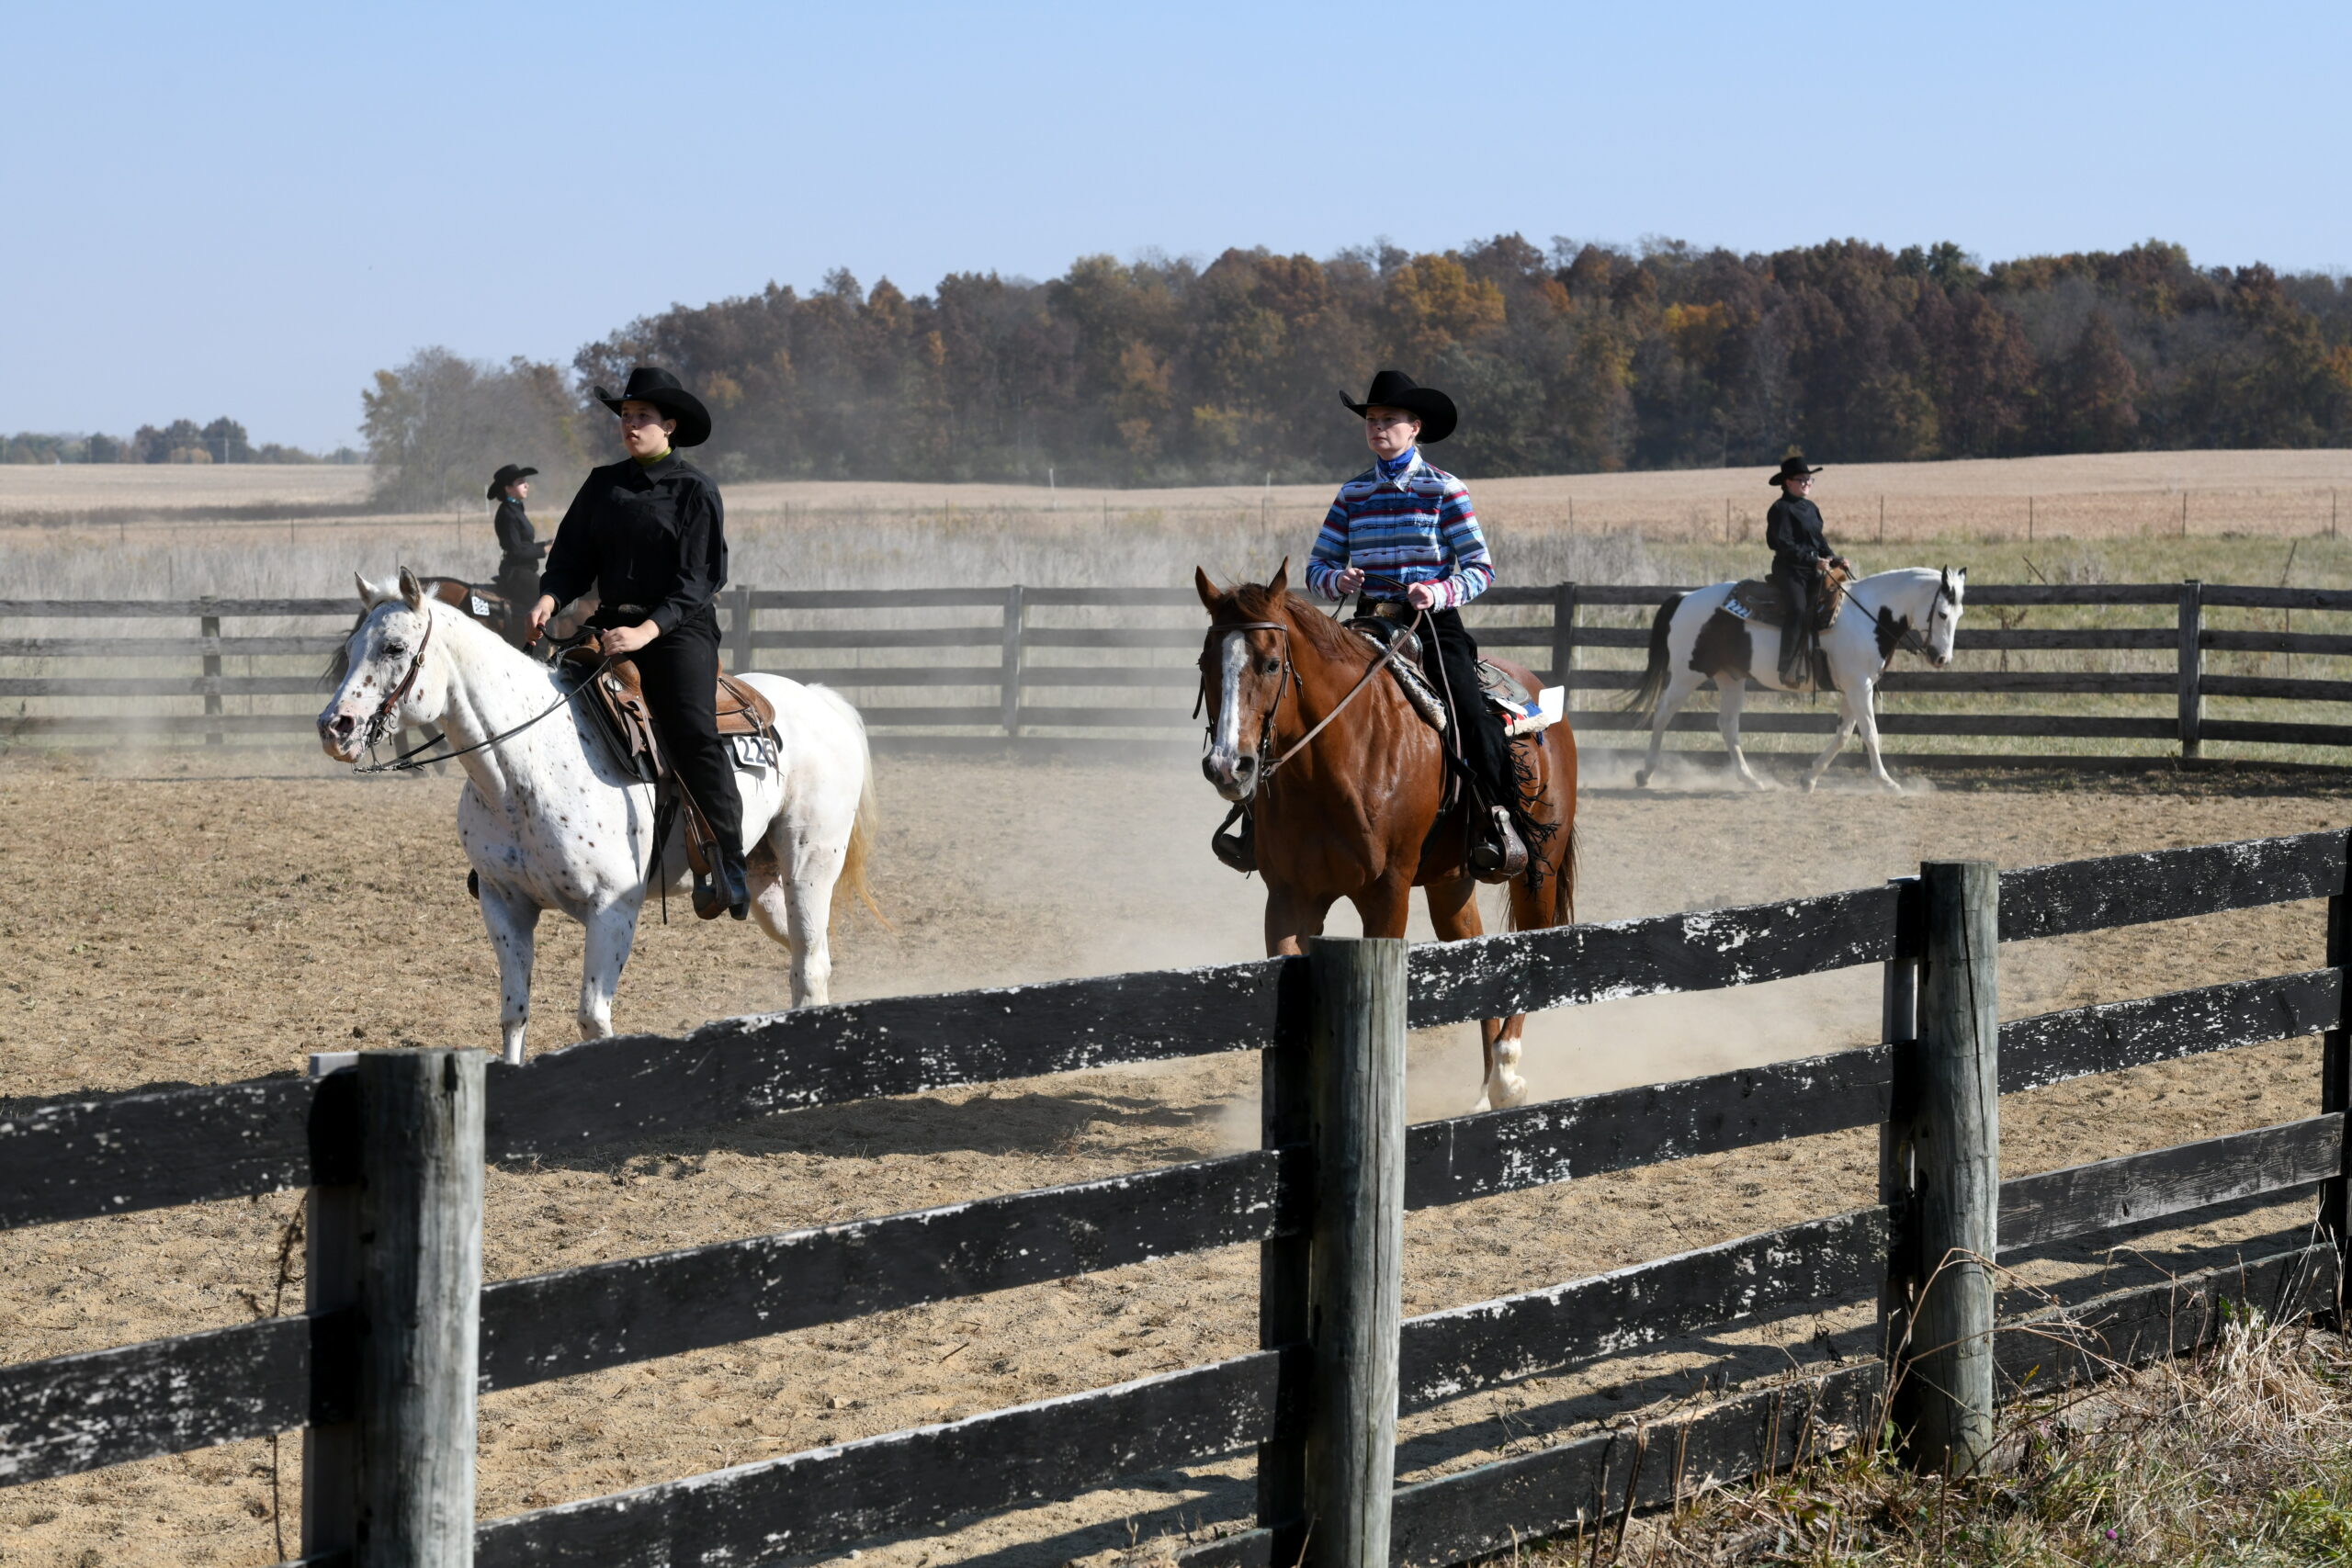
<point>1704,635</point>
<point>552,818</point>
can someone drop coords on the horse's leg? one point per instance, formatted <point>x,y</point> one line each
<point>1836,743</point>
<point>1453,915</point>
<point>1731,695</point>
<point>513,921</point>
<point>1868,721</point>
<point>1290,918</point>
<point>611,933</point>
<point>1677,692</point>
<point>808,898</point>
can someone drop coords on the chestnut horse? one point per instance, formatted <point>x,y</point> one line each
<point>1354,812</point>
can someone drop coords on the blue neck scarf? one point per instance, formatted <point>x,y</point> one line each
<point>1394,467</point>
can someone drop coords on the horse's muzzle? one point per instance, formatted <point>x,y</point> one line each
<point>343,735</point>
<point>1234,778</point>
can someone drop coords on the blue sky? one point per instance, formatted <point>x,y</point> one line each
<point>245,211</point>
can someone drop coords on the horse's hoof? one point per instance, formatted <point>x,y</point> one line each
<point>1812,783</point>
<point>1482,1107</point>
<point>1514,1091</point>
<point>1642,779</point>
<point>514,1054</point>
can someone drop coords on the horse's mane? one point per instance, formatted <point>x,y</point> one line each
<point>1256,602</point>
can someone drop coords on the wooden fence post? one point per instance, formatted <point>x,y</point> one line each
<point>420,1226</point>
<point>1285,1093</point>
<point>2335,1079</point>
<point>738,629</point>
<point>1355,1286</point>
<point>330,1285</point>
<point>1899,1027</point>
<point>208,626</point>
<point>2193,664</point>
<point>1563,632</point>
<point>1009,680</point>
<point>1944,1397</point>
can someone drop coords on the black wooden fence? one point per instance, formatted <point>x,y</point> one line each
<point>949,667</point>
<point>325,1373</point>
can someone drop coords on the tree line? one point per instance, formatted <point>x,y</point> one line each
<point>1579,359</point>
<point>182,441</point>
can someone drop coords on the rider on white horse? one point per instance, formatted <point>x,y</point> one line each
<point>1801,554</point>
<point>649,535</point>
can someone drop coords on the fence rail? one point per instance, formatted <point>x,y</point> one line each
<point>1019,658</point>
<point>90,1155</point>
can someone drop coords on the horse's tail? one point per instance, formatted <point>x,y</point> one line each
<point>1655,678</point>
<point>868,820</point>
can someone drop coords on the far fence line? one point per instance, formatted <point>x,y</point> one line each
<point>400,1337</point>
<point>1065,666</point>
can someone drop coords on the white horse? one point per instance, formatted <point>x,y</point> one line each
<point>1912,606</point>
<point>551,820</point>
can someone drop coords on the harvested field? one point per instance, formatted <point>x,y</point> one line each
<point>169,918</point>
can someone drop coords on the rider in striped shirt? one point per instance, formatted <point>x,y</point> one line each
<point>1403,534</point>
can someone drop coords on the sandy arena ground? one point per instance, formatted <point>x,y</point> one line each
<point>166,920</point>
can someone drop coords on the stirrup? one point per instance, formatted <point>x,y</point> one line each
<point>1239,849</point>
<point>1500,856</point>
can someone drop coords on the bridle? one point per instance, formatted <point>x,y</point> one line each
<point>1284,683</point>
<point>1909,639</point>
<point>382,721</point>
<point>385,718</point>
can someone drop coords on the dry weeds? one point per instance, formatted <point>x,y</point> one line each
<point>2240,1454</point>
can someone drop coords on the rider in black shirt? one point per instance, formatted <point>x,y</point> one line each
<point>518,550</point>
<point>648,533</point>
<point>1800,551</point>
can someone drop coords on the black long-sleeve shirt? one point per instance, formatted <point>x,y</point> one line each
<point>515,534</point>
<point>1792,528</point>
<point>648,533</point>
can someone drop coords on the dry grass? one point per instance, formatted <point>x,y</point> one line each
<point>2240,1455</point>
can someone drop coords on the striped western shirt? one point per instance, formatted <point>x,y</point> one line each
<point>1417,525</point>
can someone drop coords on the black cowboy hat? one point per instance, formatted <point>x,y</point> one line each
<point>1792,467</point>
<point>648,385</point>
<point>508,473</point>
<point>1395,390</point>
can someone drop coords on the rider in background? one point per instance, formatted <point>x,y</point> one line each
<point>518,550</point>
<point>1403,534</point>
<point>648,533</point>
<point>1799,552</point>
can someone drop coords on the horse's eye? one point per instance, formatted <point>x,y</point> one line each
<point>393,650</point>
<point>1268,666</point>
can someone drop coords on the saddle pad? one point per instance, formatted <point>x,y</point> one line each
<point>1523,712</point>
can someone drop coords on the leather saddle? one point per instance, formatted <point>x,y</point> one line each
<point>1523,712</point>
<point>746,721</point>
<point>1760,599</point>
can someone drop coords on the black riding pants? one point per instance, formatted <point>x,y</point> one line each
<point>519,584</point>
<point>680,672</point>
<point>1450,654</point>
<point>1797,581</point>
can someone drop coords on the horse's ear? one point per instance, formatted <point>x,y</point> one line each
<point>1208,590</point>
<point>373,594</point>
<point>1281,583</point>
<point>411,591</point>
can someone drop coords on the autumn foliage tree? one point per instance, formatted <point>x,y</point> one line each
<point>1567,358</point>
